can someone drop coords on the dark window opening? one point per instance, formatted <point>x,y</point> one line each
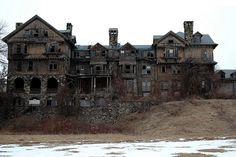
<point>51,102</point>
<point>35,85</point>
<point>45,33</point>
<point>103,53</point>
<point>36,33</point>
<point>127,68</point>
<point>52,66</point>
<point>171,41</point>
<point>19,66</point>
<point>101,83</point>
<point>222,75</point>
<point>52,48</point>
<point>26,49</point>
<point>30,67</point>
<point>19,83</point>
<point>163,69</point>
<point>52,85</point>
<point>150,54</point>
<point>144,67</point>
<point>18,48</point>
<point>98,69</point>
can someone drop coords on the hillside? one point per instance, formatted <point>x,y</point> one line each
<point>191,118</point>
<point>186,119</point>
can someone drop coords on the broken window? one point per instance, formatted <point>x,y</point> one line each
<point>52,66</point>
<point>146,69</point>
<point>30,66</point>
<point>45,33</point>
<point>170,53</point>
<point>164,85</point>
<point>36,33</point>
<point>35,85</point>
<point>150,54</point>
<point>53,47</point>
<point>19,83</point>
<point>19,66</point>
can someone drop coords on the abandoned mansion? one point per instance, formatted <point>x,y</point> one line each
<point>45,62</point>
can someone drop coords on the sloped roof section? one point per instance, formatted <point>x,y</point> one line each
<point>205,39</point>
<point>36,17</point>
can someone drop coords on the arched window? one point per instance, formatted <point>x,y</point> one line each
<point>19,83</point>
<point>35,85</point>
<point>52,85</point>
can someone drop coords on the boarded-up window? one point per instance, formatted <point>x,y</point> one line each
<point>146,86</point>
<point>164,85</point>
<point>130,86</point>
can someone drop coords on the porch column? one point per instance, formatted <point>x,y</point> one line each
<point>94,82</point>
<point>107,87</point>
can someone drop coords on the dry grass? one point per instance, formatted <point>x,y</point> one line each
<point>186,119</point>
<point>212,150</point>
<point>191,118</point>
<point>83,138</point>
<point>193,155</point>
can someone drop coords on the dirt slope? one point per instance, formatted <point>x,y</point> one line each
<point>186,119</point>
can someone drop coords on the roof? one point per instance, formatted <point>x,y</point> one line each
<point>36,17</point>
<point>143,47</point>
<point>205,39</point>
<point>227,72</point>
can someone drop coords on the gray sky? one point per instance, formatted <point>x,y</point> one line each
<point>137,20</point>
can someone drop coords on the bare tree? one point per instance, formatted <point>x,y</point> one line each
<point>3,57</point>
<point>198,79</point>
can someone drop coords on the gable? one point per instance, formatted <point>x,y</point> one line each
<point>36,27</point>
<point>128,47</point>
<point>171,39</point>
<point>98,47</point>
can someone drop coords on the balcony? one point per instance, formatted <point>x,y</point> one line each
<point>52,90</point>
<point>35,90</point>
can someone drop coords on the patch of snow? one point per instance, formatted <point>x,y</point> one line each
<point>161,148</point>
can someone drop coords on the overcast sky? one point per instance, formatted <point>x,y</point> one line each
<point>137,20</point>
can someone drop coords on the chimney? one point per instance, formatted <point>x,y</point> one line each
<point>18,24</point>
<point>188,30</point>
<point>69,27</point>
<point>113,37</point>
